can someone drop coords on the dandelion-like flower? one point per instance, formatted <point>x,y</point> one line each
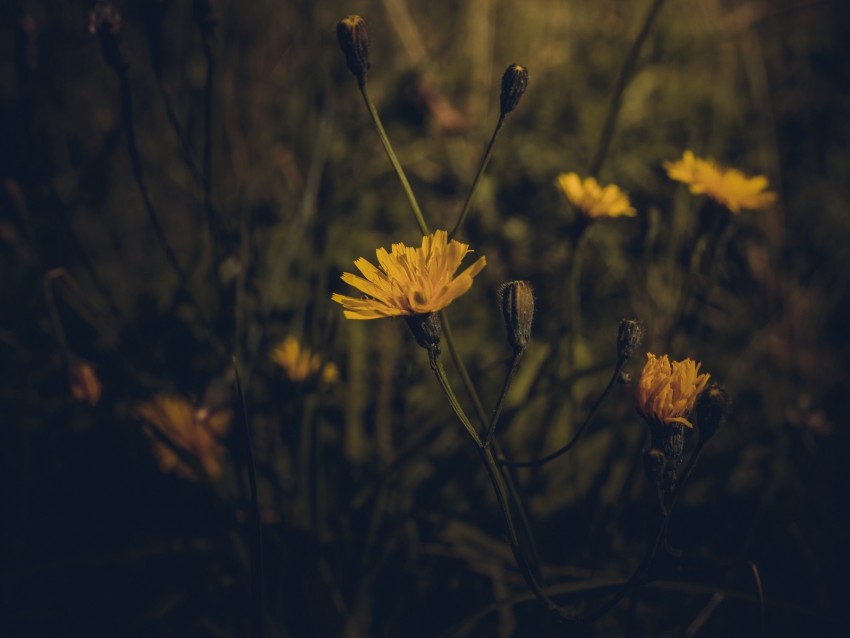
<point>410,280</point>
<point>179,431</point>
<point>668,390</point>
<point>300,363</point>
<point>727,186</point>
<point>594,200</point>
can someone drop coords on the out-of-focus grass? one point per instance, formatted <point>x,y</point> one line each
<point>377,518</point>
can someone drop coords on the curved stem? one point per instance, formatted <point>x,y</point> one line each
<point>484,161</point>
<point>499,486</point>
<point>566,448</point>
<point>622,80</point>
<point>497,412</point>
<point>440,373</point>
<point>411,198</point>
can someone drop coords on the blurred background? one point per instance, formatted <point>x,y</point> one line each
<point>183,183</point>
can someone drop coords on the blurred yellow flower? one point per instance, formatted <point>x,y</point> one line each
<point>727,186</point>
<point>84,382</point>
<point>593,200</point>
<point>667,391</point>
<point>179,432</point>
<point>299,363</point>
<point>410,281</point>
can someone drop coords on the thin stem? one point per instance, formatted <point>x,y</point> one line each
<point>50,298</point>
<point>497,412</point>
<point>474,187</point>
<point>499,486</point>
<point>481,413</point>
<point>622,80</point>
<point>408,191</point>
<point>257,545</point>
<point>440,372</point>
<point>572,442</point>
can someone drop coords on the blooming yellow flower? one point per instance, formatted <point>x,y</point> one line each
<point>727,186</point>
<point>593,200</point>
<point>667,391</point>
<point>410,281</point>
<point>299,363</point>
<point>178,430</point>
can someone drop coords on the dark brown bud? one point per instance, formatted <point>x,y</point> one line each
<point>514,84</point>
<point>354,42</point>
<point>426,329</point>
<point>105,22</point>
<point>711,407</point>
<point>517,301</point>
<point>629,337</point>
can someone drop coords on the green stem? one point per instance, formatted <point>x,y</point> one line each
<point>257,545</point>
<point>408,191</point>
<point>440,372</point>
<point>472,189</point>
<point>622,80</point>
<point>499,486</point>
<point>497,412</point>
<point>566,448</point>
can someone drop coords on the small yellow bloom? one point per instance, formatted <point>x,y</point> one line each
<point>299,363</point>
<point>410,281</point>
<point>667,391</point>
<point>84,382</point>
<point>178,430</point>
<point>593,200</point>
<point>727,186</point>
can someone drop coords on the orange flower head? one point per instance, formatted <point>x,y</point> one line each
<point>668,390</point>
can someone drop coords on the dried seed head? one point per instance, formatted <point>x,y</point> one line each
<point>517,301</point>
<point>629,337</point>
<point>105,22</point>
<point>514,84</point>
<point>354,42</point>
<point>426,329</point>
<point>710,409</point>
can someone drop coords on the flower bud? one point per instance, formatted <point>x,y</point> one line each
<point>514,84</point>
<point>710,409</point>
<point>427,330</point>
<point>354,42</point>
<point>517,301</point>
<point>629,337</point>
<point>105,22</point>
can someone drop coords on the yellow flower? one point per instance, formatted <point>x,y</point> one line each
<point>299,363</point>
<point>667,391</point>
<point>179,432</point>
<point>727,186</point>
<point>593,200</point>
<point>84,382</point>
<point>410,281</point>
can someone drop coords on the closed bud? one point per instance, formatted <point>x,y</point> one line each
<point>105,22</point>
<point>629,337</point>
<point>710,409</point>
<point>514,84</point>
<point>354,42</point>
<point>517,301</point>
<point>426,329</point>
